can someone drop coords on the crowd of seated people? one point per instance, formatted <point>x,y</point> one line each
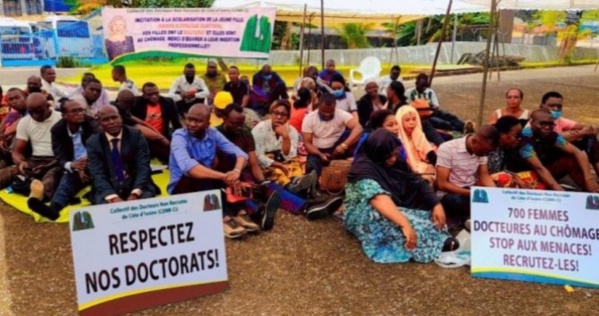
<point>411,166</point>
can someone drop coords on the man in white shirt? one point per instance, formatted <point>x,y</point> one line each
<point>328,134</point>
<point>85,79</point>
<point>90,98</point>
<point>394,75</point>
<point>48,75</point>
<point>119,75</point>
<point>35,130</point>
<point>188,90</point>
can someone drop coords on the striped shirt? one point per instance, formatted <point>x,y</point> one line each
<point>462,165</point>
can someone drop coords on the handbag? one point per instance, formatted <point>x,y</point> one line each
<point>334,176</point>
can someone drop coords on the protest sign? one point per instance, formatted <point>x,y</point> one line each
<point>138,254</point>
<point>535,236</point>
<point>242,33</point>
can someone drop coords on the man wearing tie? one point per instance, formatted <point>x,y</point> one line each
<point>119,161</point>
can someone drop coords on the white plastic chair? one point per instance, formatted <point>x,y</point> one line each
<point>370,68</point>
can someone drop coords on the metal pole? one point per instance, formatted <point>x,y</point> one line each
<point>486,64</point>
<point>322,32</point>
<point>445,23</point>
<point>454,36</point>
<point>309,37</point>
<point>301,41</point>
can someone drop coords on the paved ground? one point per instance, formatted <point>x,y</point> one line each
<point>316,268</point>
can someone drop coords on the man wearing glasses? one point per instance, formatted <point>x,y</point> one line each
<point>68,144</point>
<point>552,156</point>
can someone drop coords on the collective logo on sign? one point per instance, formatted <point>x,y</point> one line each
<point>592,202</point>
<point>480,196</point>
<point>82,220</point>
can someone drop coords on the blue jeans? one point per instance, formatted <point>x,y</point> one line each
<point>70,184</point>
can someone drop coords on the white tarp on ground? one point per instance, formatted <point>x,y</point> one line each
<point>538,4</point>
<point>348,11</point>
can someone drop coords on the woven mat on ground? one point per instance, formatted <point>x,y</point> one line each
<point>19,202</point>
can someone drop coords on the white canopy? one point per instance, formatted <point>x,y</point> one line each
<point>538,4</point>
<point>354,11</point>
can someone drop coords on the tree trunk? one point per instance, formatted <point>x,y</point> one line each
<point>568,42</point>
<point>286,40</point>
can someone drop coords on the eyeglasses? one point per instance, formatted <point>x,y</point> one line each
<point>280,114</point>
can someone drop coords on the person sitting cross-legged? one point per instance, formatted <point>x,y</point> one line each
<point>392,211</point>
<point>193,165</point>
<point>77,94</point>
<point>8,128</point>
<point>583,136</point>
<point>156,110</point>
<point>440,119</point>
<point>118,161</point>
<point>276,151</point>
<point>462,163</point>
<point>328,134</point>
<point>188,89</point>
<point>551,156</point>
<point>34,130</point>
<point>90,97</point>
<point>159,144</point>
<point>69,136</point>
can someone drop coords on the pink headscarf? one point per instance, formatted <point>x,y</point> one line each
<point>416,146</point>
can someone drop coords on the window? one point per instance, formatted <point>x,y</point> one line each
<point>12,8</point>
<point>34,7</point>
<point>77,29</point>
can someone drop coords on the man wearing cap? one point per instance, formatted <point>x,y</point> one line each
<point>221,100</point>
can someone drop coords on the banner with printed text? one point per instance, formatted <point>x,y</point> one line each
<point>139,254</point>
<point>242,33</point>
<point>535,236</point>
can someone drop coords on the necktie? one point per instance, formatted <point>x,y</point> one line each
<point>116,160</point>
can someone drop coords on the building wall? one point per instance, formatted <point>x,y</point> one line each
<point>423,54</point>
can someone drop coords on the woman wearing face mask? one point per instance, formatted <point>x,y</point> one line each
<point>514,99</point>
<point>420,153</point>
<point>370,102</point>
<point>393,212</point>
<point>345,99</point>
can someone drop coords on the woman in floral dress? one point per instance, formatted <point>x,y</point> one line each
<point>393,212</point>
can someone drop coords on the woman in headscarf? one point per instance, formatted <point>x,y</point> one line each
<point>420,153</point>
<point>392,211</point>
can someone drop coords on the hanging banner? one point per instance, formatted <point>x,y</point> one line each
<point>139,254</point>
<point>535,236</point>
<point>241,33</point>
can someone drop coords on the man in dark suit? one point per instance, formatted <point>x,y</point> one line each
<point>68,144</point>
<point>119,161</point>
<point>159,112</point>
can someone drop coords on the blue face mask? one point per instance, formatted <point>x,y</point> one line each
<point>338,93</point>
<point>556,114</point>
<point>267,77</point>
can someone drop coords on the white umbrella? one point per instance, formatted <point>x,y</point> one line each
<point>539,4</point>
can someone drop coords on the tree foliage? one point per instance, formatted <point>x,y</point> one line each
<point>406,34</point>
<point>354,34</point>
